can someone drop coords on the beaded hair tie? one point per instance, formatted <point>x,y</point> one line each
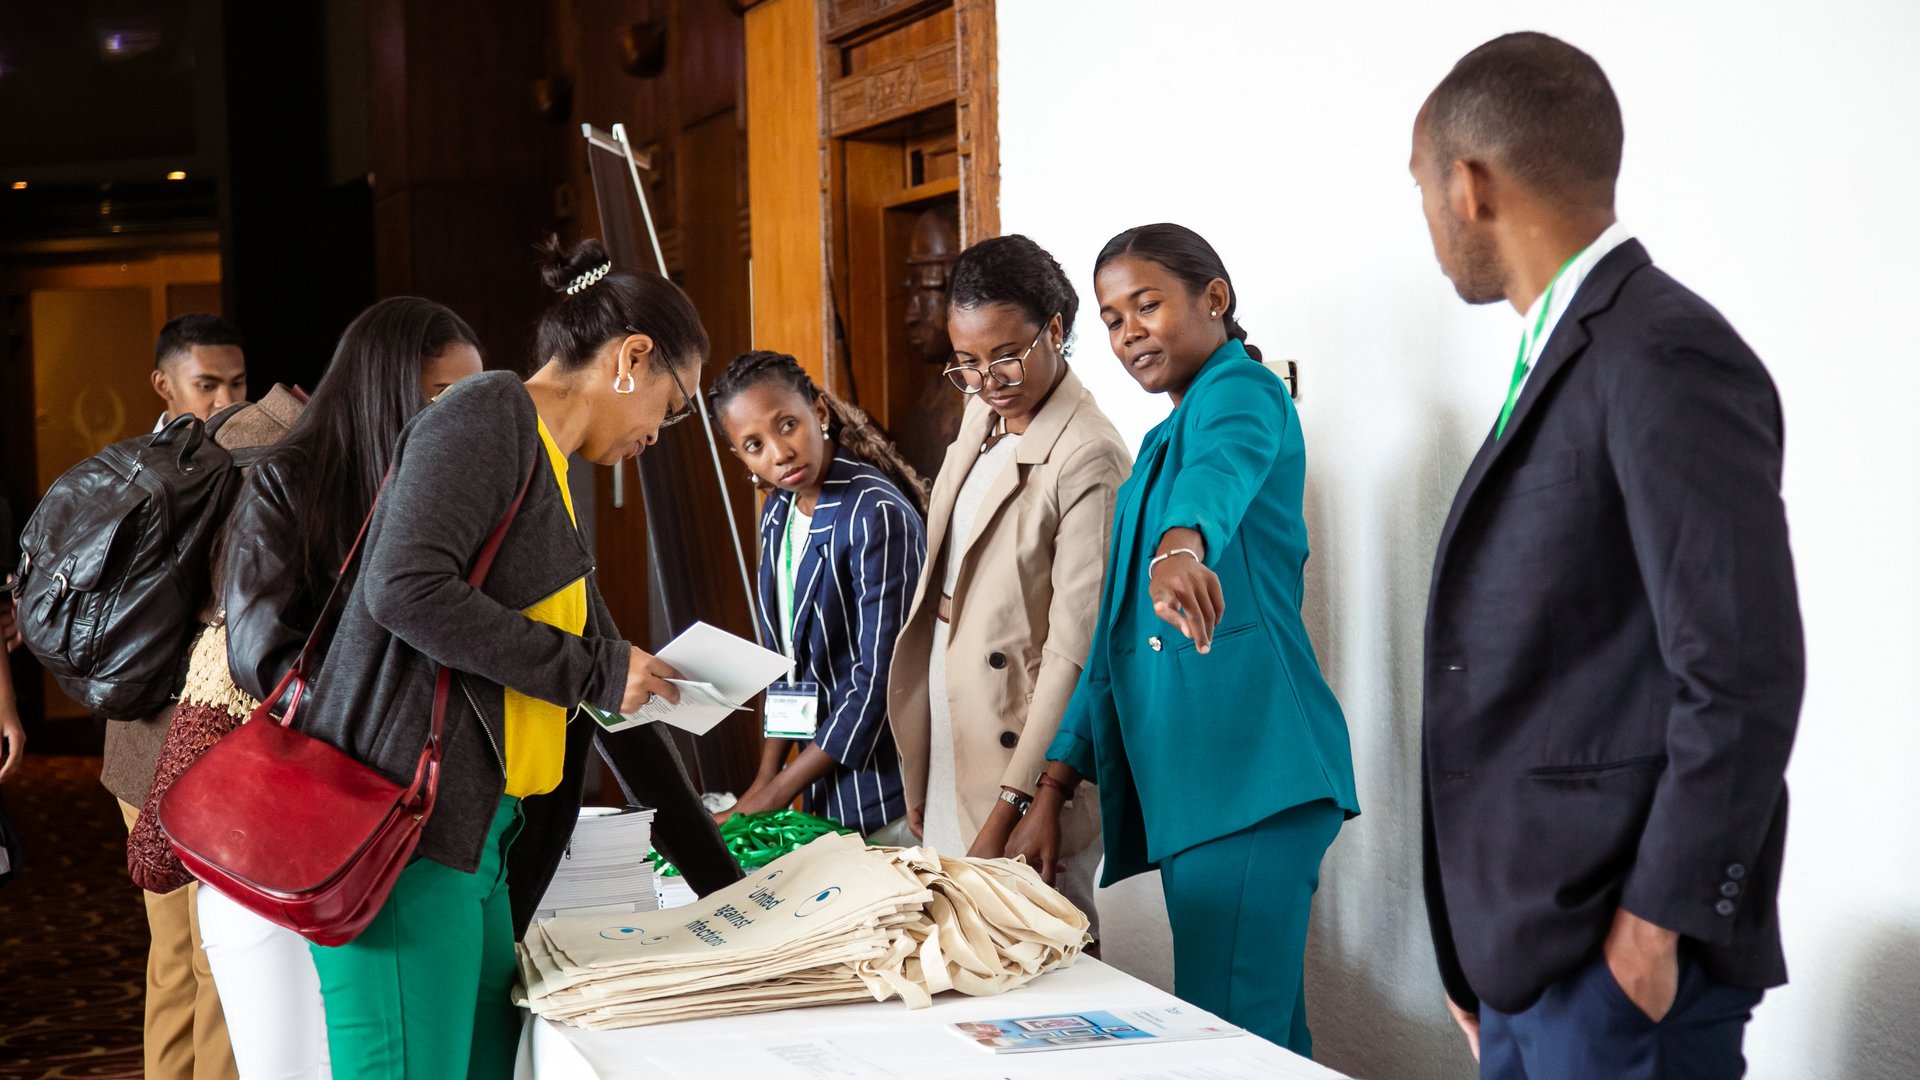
<point>587,280</point>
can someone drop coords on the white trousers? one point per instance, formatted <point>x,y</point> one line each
<point>268,990</point>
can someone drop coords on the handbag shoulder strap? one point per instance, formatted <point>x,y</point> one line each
<point>426,775</point>
<point>296,676</point>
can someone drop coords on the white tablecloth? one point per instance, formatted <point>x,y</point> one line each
<point>884,1040</point>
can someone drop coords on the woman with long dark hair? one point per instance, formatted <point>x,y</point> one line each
<point>840,547</point>
<point>1221,755</point>
<point>1017,547</point>
<point>321,478</point>
<point>423,991</point>
<point>283,548</point>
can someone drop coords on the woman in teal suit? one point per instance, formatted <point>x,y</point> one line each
<point>1220,753</point>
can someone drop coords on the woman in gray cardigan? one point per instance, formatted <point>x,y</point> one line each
<point>423,992</point>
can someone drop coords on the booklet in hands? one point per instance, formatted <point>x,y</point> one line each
<point>720,673</point>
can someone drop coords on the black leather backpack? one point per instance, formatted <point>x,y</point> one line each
<point>114,566</point>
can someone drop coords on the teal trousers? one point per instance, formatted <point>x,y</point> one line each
<point>423,993</point>
<point>1239,906</point>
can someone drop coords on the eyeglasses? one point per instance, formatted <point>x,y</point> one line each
<point>1008,371</point>
<point>688,405</point>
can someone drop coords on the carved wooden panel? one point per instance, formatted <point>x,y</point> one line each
<point>847,17</point>
<point>895,90</point>
<point>905,92</point>
<point>977,121</point>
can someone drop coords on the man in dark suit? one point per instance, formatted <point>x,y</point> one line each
<point>1613,650</point>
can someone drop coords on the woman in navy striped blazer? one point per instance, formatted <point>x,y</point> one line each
<point>841,546</point>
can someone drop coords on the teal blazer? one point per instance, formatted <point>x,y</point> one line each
<point>1189,748</point>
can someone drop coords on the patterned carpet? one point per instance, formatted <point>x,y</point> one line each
<point>73,935</point>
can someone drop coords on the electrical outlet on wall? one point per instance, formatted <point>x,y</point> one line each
<point>1289,372</point>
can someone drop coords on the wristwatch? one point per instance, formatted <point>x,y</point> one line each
<point>1020,803</point>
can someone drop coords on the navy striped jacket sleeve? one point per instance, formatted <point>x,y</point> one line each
<point>888,546</point>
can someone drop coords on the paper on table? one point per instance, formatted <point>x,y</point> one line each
<point>858,1058</point>
<point>911,1045</point>
<point>797,1058</point>
<point>1235,1069</point>
<point>1081,1028</point>
<point>720,672</point>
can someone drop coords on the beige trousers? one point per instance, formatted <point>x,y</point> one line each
<point>186,1035</point>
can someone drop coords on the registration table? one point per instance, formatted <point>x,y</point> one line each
<point>887,1041</point>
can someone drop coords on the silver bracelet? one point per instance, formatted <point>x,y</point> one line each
<point>1158,559</point>
<point>1020,803</point>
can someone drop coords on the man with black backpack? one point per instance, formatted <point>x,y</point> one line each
<point>199,370</point>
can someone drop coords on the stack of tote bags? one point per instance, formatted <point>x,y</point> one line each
<point>835,921</point>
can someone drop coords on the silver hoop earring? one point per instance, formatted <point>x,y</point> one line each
<point>623,383</point>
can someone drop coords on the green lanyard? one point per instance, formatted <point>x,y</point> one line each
<point>1527,341</point>
<point>788,584</point>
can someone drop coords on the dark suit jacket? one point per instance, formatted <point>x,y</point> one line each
<point>856,581</point>
<point>1613,655</point>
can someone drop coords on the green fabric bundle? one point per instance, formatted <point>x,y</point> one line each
<point>758,839</point>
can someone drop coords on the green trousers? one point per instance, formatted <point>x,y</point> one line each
<point>423,994</point>
<point>1239,907</point>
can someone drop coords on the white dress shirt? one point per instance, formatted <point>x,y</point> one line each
<point>1565,289</point>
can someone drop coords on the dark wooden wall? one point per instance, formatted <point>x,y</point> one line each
<point>296,248</point>
<point>458,181</point>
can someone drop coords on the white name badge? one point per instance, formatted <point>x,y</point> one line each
<point>793,710</point>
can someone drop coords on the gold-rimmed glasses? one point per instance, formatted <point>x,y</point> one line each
<point>1009,371</point>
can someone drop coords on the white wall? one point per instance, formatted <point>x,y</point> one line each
<point>1771,160</point>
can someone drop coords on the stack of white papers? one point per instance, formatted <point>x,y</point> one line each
<point>606,870</point>
<point>835,921</point>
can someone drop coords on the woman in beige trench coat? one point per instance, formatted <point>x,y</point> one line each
<point>1017,533</point>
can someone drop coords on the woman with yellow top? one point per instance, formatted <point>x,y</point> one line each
<point>423,991</point>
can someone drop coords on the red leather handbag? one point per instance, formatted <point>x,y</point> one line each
<point>292,828</point>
